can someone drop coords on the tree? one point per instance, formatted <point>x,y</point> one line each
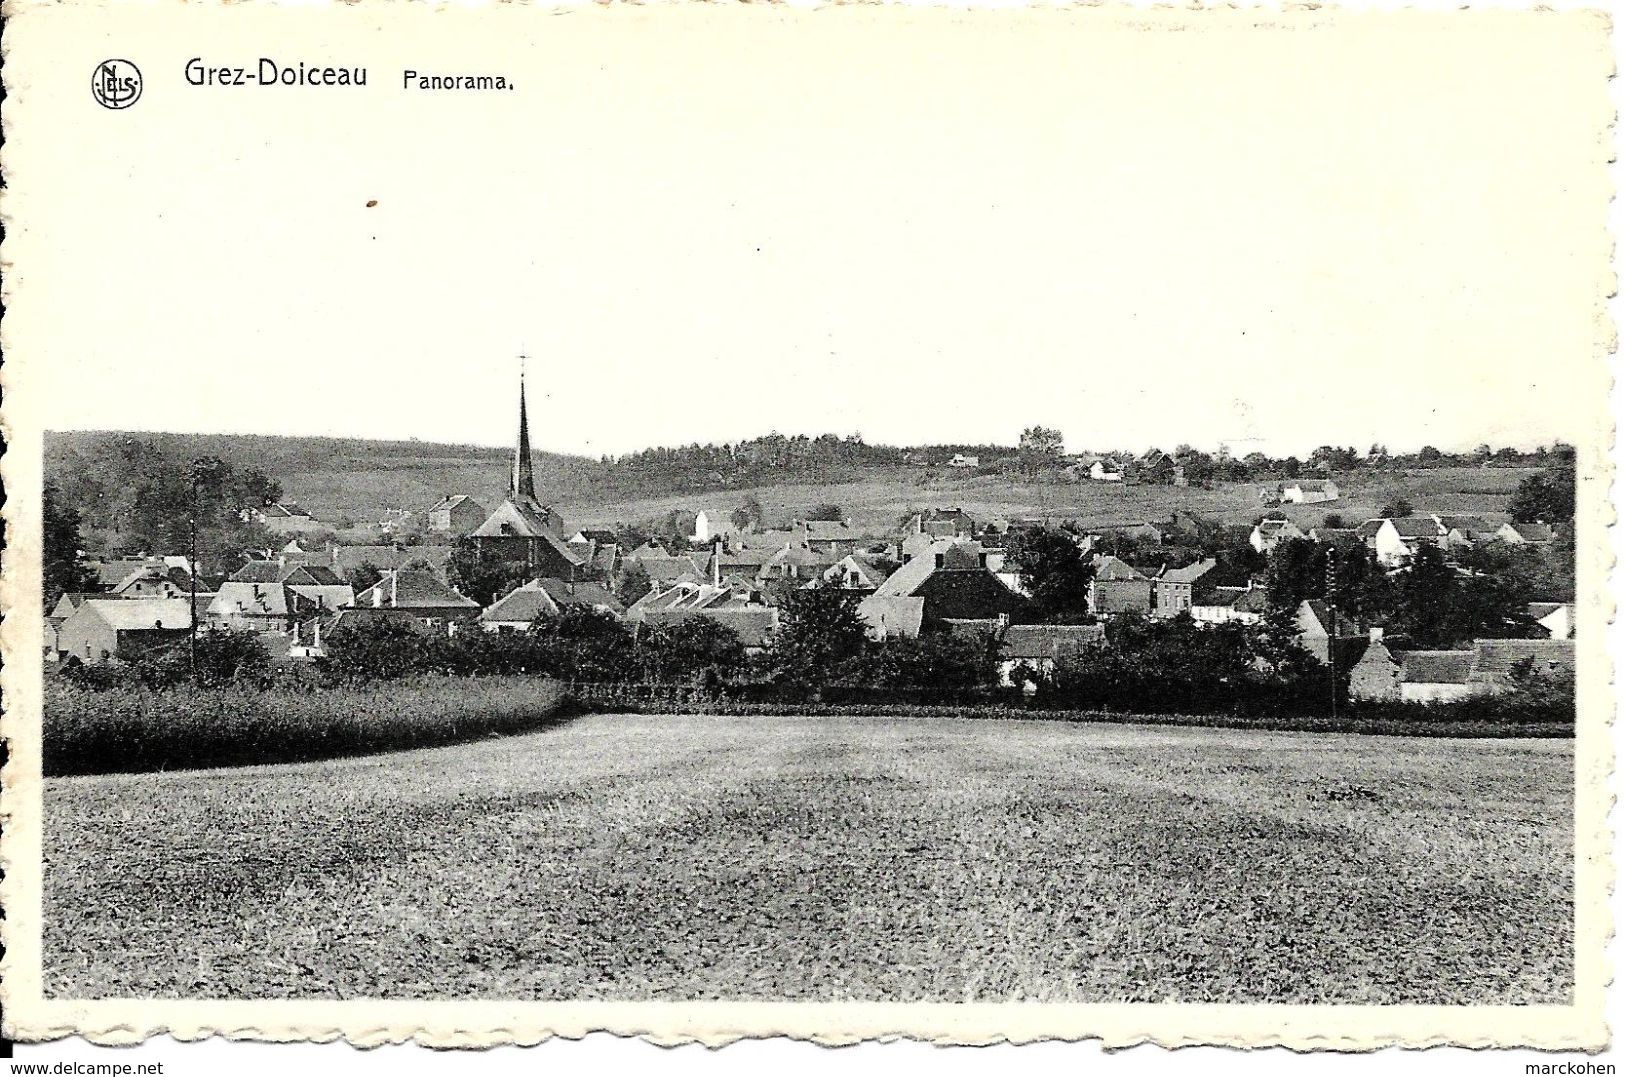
<point>935,660</point>
<point>819,634</point>
<point>226,657</point>
<point>1395,509</point>
<point>1297,570</point>
<point>1053,569</point>
<point>1437,608</point>
<point>634,583</point>
<point>748,515</point>
<point>62,569</point>
<point>479,578</point>
<point>587,645</point>
<point>380,649</point>
<point>255,489</point>
<point>690,648</point>
<point>1040,447</point>
<point>1548,496</point>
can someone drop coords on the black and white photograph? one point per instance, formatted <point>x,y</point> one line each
<point>1057,516</point>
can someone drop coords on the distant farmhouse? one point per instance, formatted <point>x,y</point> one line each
<point>284,518</point>
<point>1300,492</point>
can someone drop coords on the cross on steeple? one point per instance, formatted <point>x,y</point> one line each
<point>523,483</point>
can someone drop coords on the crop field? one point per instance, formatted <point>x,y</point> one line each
<point>878,501</point>
<point>649,857</point>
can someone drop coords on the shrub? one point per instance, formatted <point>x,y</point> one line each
<point>137,729</point>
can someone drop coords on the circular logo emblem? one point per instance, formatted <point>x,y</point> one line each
<point>116,84</point>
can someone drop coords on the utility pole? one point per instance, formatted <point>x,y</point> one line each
<point>191,573</point>
<point>1331,610</point>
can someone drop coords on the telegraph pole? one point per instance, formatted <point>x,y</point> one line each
<point>191,572</point>
<point>1331,609</point>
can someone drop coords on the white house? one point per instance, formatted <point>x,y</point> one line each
<point>1397,540</point>
<point>961,460</point>
<point>1308,491</point>
<point>1220,605</point>
<point>1268,534</point>
<point>1105,471</point>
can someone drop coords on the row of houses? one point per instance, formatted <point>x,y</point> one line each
<point>1396,540</point>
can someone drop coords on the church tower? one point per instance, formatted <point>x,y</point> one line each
<point>523,483</point>
<point>522,532</point>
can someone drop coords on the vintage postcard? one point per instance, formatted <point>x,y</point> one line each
<point>708,521</point>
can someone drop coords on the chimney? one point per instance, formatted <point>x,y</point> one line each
<point>716,563</point>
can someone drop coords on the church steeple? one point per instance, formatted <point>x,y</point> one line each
<point>524,481</point>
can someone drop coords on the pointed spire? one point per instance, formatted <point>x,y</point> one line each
<point>524,481</point>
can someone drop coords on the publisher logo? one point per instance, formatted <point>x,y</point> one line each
<point>116,84</point>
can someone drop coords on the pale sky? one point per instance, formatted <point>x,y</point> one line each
<point>710,223</point>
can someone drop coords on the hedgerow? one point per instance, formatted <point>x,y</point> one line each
<point>133,728</point>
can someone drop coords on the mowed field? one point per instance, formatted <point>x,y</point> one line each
<point>830,859</point>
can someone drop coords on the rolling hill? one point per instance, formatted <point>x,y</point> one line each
<point>343,479</point>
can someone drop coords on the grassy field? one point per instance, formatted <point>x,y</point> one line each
<point>880,500</point>
<point>692,858</point>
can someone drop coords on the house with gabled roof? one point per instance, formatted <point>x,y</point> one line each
<point>1435,676</point>
<point>1557,618</point>
<point>1174,589</point>
<point>1398,539</point>
<point>834,538</point>
<point>1037,648</point>
<point>1222,604</point>
<point>1270,533</point>
<point>1322,630</point>
<point>1497,662</point>
<point>1117,588</point>
<point>284,518</point>
<point>952,581</point>
<point>422,594</point>
<point>857,572</point>
<point>122,629</point>
<point>1489,667</point>
<point>156,581</point>
<point>536,599</point>
<point>454,514</point>
<point>1517,533</point>
<point>1306,491</point>
<point>1155,468</point>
